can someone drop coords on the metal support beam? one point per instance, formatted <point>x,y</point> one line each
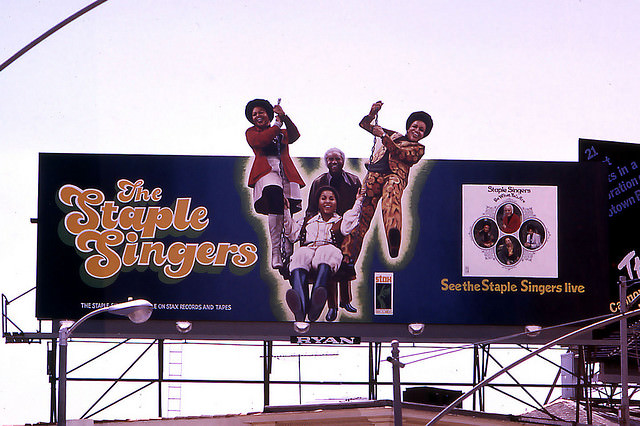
<point>160,374</point>
<point>53,378</point>
<point>267,363</point>
<point>86,413</point>
<point>374,369</point>
<point>480,365</point>
<point>624,356</point>
<point>394,359</point>
<point>554,342</point>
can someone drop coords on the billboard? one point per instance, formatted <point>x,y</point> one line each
<point>478,242</point>
<point>622,162</point>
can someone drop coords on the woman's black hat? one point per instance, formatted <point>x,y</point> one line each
<point>258,103</point>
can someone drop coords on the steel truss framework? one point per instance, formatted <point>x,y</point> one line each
<point>589,393</point>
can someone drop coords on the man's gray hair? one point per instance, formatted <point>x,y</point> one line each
<point>334,150</point>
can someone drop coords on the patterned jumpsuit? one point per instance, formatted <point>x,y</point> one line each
<point>387,177</point>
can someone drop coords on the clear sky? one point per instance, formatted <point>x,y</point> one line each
<point>506,80</point>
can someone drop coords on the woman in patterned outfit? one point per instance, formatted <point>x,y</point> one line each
<point>386,179</point>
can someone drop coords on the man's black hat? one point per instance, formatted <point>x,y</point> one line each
<point>421,116</point>
<point>258,103</point>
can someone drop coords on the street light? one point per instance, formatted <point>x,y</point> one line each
<point>138,312</point>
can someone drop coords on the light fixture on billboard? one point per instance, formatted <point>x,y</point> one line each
<point>138,311</point>
<point>416,328</point>
<point>184,326</point>
<point>301,327</point>
<point>532,330</point>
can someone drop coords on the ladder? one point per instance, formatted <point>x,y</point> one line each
<point>174,394</point>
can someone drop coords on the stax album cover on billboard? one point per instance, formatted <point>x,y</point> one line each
<point>510,231</point>
<point>475,242</point>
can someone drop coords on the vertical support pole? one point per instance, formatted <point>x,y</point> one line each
<point>371,372</point>
<point>480,361</point>
<point>267,352</point>
<point>53,378</point>
<point>299,379</point>
<point>62,374</point>
<point>397,396</point>
<point>160,374</point>
<point>624,365</point>
<point>579,376</point>
<point>374,369</point>
<point>587,388</point>
<point>476,373</point>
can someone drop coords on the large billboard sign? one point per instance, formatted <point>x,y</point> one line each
<point>468,242</point>
<point>622,162</point>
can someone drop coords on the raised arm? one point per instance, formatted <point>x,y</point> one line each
<point>367,121</point>
<point>292,130</point>
<point>351,217</point>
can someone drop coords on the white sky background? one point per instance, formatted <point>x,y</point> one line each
<point>506,80</point>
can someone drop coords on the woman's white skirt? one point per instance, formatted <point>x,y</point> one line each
<point>277,178</point>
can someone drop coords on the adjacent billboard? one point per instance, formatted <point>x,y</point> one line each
<point>466,242</point>
<point>622,162</point>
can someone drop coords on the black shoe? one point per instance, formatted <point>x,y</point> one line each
<point>318,299</point>
<point>393,240</point>
<point>295,304</point>
<point>348,307</point>
<point>332,314</point>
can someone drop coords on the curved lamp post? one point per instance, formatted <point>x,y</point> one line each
<point>138,312</point>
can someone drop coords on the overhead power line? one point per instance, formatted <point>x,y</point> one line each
<point>49,32</point>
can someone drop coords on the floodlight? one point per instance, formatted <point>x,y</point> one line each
<point>532,330</point>
<point>183,326</point>
<point>416,328</point>
<point>301,327</point>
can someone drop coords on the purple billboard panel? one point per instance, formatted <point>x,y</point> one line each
<point>464,242</point>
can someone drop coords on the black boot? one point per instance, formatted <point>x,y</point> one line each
<point>319,292</point>
<point>393,240</point>
<point>295,297</point>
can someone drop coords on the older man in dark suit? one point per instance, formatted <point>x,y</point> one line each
<point>347,185</point>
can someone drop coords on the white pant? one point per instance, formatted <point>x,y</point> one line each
<point>309,257</point>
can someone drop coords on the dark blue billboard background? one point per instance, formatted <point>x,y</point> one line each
<point>448,271</point>
<point>580,233</point>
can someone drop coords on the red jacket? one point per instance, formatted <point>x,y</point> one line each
<point>258,140</point>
